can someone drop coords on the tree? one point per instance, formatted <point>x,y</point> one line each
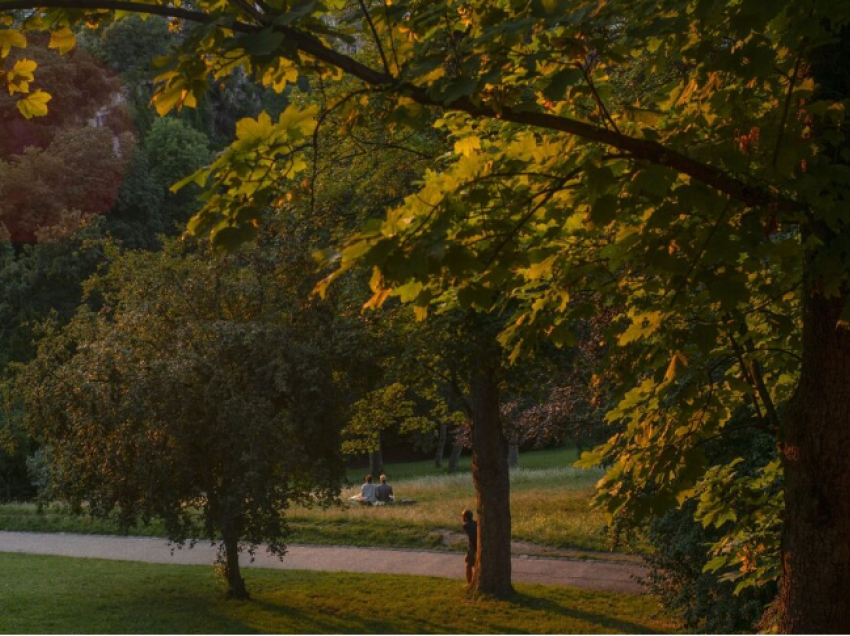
<point>49,194</point>
<point>193,396</point>
<point>712,204</point>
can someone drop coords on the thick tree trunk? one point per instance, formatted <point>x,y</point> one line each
<point>454,458</point>
<point>815,586</point>
<point>235,582</point>
<point>492,488</point>
<point>442,436</point>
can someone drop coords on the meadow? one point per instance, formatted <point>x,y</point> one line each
<point>42,594</point>
<point>550,505</point>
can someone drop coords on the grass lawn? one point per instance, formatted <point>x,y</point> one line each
<point>550,506</point>
<point>45,594</point>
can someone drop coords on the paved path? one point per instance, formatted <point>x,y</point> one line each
<point>587,574</point>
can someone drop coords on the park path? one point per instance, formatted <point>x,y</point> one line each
<point>587,574</point>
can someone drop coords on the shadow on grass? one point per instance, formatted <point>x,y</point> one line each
<point>347,622</point>
<point>606,623</point>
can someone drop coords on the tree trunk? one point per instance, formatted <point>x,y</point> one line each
<point>814,592</point>
<point>492,488</point>
<point>376,463</point>
<point>454,458</point>
<point>815,585</point>
<point>235,582</point>
<point>441,445</point>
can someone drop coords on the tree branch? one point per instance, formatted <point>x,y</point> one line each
<point>372,28</point>
<point>640,149</point>
<point>785,108</point>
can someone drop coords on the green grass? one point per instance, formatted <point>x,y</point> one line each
<point>550,506</point>
<point>41,594</point>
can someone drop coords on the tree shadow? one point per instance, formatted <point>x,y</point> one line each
<point>345,622</point>
<point>607,623</point>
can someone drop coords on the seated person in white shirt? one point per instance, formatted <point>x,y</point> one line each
<point>367,492</point>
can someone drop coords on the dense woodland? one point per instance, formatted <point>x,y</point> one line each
<point>244,243</point>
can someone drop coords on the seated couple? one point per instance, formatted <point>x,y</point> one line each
<point>372,494</point>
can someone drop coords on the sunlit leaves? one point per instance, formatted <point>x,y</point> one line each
<point>63,40</point>
<point>11,38</point>
<point>252,174</point>
<point>19,78</point>
<point>34,104</point>
<point>383,408</point>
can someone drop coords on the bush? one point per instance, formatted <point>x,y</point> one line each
<point>705,603</point>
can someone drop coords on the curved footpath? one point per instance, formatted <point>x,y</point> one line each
<point>587,574</point>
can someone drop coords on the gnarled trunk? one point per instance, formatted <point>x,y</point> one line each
<point>376,463</point>
<point>235,582</point>
<point>454,458</point>
<point>442,436</point>
<point>815,586</point>
<point>492,488</point>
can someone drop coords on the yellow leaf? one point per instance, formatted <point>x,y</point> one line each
<point>254,130</point>
<point>10,38</point>
<point>294,119</point>
<point>467,145</point>
<point>64,40</point>
<point>168,97</point>
<point>34,105</point>
<point>19,78</point>
<point>676,362</point>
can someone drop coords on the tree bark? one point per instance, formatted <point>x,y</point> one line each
<point>814,592</point>
<point>454,458</point>
<point>235,582</point>
<point>492,488</point>
<point>376,463</point>
<point>815,585</point>
<point>441,445</point>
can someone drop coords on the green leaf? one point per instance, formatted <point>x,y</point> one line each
<point>262,43</point>
<point>561,81</point>
<point>463,87</point>
<point>715,564</point>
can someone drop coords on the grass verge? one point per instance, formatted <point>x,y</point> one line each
<point>46,594</point>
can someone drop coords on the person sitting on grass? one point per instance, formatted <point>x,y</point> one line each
<point>367,492</point>
<point>470,528</point>
<point>384,492</point>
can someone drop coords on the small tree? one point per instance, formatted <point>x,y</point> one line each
<point>192,396</point>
